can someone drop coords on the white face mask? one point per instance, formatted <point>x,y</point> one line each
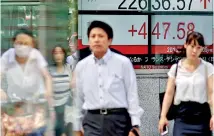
<point>22,51</point>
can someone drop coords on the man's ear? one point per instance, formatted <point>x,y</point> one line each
<point>185,45</point>
<point>34,44</point>
<point>110,41</point>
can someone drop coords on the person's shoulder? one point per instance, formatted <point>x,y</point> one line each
<point>69,57</point>
<point>174,66</point>
<point>209,67</point>
<point>172,71</point>
<point>83,62</point>
<point>121,58</point>
<point>35,53</point>
<point>34,50</point>
<point>37,56</point>
<point>86,59</point>
<point>116,51</point>
<point>8,54</point>
<point>206,63</point>
<point>177,64</point>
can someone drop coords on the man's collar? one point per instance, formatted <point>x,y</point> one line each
<point>12,55</point>
<point>105,58</point>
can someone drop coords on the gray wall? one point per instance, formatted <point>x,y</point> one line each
<point>149,87</point>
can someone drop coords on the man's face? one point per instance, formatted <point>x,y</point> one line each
<point>25,40</point>
<point>98,41</point>
<point>23,45</point>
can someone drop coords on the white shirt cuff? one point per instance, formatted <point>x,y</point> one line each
<point>77,125</point>
<point>135,121</point>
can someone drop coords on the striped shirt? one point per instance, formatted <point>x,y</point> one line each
<point>61,85</point>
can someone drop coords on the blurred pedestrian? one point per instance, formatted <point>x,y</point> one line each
<point>106,89</point>
<point>193,97</point>
<point>61,75</point>
<point>73,58</point>
<point>25,69</point>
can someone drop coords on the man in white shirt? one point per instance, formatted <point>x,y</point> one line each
<point>25,69</point>
<point>106,89</point>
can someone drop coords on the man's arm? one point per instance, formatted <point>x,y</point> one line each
<point>210,93</point>
<point>210,74</point>
<point>135,111</point>
<point>3,60</point>
<point>3,95</point>
<point>209,84</point>
<point>42,65</point>
<point>68,60</point>
<point>78,102</point>
<point>48,83</point>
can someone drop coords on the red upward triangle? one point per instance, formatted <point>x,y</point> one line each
<point>205,3</point>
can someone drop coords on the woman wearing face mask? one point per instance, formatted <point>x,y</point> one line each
<point>61,75</point>
<point>25,69</point>
<point>194,91</point>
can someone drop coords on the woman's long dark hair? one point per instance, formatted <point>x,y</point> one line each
<point>193,36</point>
<point>63,50</point>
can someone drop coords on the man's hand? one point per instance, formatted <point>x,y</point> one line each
<point>3,95</point>
<point>131,133</point>
<point>212,123</point>
<point>78,133</point>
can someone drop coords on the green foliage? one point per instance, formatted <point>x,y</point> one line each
<point>73,18</point>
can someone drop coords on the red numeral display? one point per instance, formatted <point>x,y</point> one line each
<point>163,29</point>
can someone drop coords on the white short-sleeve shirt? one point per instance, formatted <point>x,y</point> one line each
<point>72,60</point>
<point>23,83</point>
<point>191,86</point>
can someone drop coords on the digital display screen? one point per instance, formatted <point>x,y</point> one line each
<point>149,32</point>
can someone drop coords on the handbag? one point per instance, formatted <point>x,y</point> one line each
<point>171,114</point>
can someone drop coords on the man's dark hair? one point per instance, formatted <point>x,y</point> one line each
<point>99,24</point>
<point>23,31</point>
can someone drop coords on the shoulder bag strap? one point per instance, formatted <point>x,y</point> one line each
<point>176,71</point>
<point>206,79</point>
